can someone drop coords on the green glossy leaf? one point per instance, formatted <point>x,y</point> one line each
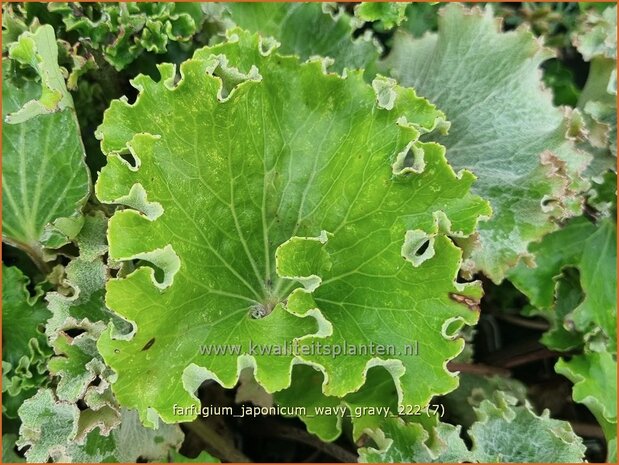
<point>306,391</point>
<point>309,29</point>
<point>504,127</point>
<point>603,195</point>
<point>374,406</point>
<point>13,24</point>
<point>595,385</point>
<point>25,350</point>
<point>44,177</point>
<point>284,177</point>
<point>562,335</point>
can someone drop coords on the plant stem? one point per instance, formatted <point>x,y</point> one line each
<point>34,255</point>
<point>215,442</point>
<point>298,435</point>
<point>478,369</point>
<point>524,322</point>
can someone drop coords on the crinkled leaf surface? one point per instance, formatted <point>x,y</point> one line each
<point>81,297</point>
<point>123,31</point>
<point>594,375</point>
<point>308,29</point>
<point>77,364</point>
<point>474,389</point>
<point>52,429</point>
<point>257,174</point>
<point>501,434</point>
<point>603,195</point>
<point>38,50</point>
<point>23,316</point>
<point>504,127</point>
<point>596,40</point>
<point>78,318</point>
<point>597,34</point>
<point>387,14</point>
<point>398,441</point>
<point>25,350</point>
<point>44,176</point>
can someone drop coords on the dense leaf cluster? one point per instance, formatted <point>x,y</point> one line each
<point>394,224</point>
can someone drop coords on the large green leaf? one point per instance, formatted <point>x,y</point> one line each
<point>504,127</point>
<point>309,29</point>
<point>25,350</point>
<point>44,176</point>
<point>253,175</point>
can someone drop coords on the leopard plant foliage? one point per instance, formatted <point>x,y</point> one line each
<point>281,202</point>
<point>292,23</point>
<point>274,198</point>
<point>504,127</point>
<point>501,434</point>
<point>122,31</point>
<point>45,181</point>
